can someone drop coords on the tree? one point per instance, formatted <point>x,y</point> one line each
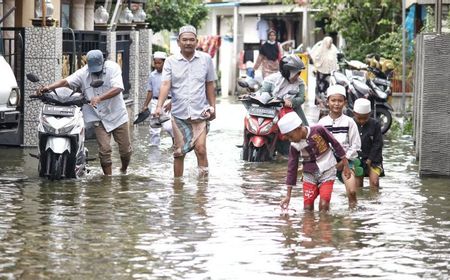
<point>172,14</point>
<point>368,26</point>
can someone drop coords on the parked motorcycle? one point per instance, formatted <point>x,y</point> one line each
<point>358,87</point>
<point>261,133</point>
<point>61,132</point>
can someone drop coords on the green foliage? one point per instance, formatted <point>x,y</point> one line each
<point>400,127</point>
<point>158,48</point>
<point>408,126</point>
<point>430,22</point>
<point>368,26</point>
<point>172,14</point>
<point>448,20</point>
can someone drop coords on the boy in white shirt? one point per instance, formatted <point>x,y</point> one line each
<point>345,130</point>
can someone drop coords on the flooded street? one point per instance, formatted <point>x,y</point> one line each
<point>145,225</point>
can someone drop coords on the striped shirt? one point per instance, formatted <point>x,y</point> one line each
<point>345,130</point>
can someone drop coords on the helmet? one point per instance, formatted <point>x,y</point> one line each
<point>290,65</point>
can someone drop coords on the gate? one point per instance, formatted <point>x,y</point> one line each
<point>75,46</point>
<point>76,43</point>
<point>123,43</point>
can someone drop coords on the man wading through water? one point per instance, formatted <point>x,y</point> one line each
<point>190,77</point>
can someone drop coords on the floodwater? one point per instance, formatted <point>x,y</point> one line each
<point>145,225</point>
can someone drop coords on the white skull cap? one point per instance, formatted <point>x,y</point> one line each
<point>336,89</point>
<point>187,28</point>
<point>289,122</point>
<point>362,106</point>
<point>160,55</point>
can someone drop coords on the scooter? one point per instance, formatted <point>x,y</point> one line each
<point>61,133</point>
<point>358,87</point>
<point>261,133</point>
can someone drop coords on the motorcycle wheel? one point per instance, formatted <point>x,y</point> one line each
<point>258,154</point>
<point>56,166</point>
<point>42,164</point>
<point>245,149</point>
<point>385,118</point>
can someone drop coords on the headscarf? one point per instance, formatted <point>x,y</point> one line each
<point>270,49</point>
<point>324,56</point>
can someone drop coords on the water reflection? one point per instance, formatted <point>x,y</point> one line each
<point>146,225</point>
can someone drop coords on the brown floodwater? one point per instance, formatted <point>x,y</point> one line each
<point>145,225</point>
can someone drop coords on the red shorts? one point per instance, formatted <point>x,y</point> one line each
<point>311,191</point>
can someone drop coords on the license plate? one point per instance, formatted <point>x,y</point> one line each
<point>262,112</point>
<point>64,111</point>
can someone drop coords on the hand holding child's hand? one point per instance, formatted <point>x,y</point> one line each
<point>340,166</point>
<point>346,171</point>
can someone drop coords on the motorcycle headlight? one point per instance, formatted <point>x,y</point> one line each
<point>14,96</point>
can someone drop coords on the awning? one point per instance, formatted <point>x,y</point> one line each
<point>222,4</point>
<point>272,9</point>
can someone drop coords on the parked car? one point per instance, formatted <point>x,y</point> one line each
<point>10,115</point>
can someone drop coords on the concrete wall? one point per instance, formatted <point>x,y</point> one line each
<point>43,54</point>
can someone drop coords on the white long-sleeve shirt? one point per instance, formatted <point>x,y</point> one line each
<point>345,131</point>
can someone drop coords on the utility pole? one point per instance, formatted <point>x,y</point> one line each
<point>438,13</point>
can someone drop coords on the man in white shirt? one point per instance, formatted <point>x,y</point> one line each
<point>190,77</point>
<point>107,110</point>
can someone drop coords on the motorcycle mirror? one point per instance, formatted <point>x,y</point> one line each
<point>96,83</point>
<point>243,84</point>
<point>32,77</point>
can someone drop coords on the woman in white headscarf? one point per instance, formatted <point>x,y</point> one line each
<point>324,56</point>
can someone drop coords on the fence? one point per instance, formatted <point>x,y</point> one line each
<point>432,104</point>
<point>77,43</point>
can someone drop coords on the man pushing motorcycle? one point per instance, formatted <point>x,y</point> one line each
<point>106,111</point>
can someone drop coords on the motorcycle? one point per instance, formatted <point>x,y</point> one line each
<point>261,133</point>
<point>358,86</point>
<point>61,132</point>
<point>247,85</point>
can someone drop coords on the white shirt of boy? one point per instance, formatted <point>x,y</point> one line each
<point>345,130</point>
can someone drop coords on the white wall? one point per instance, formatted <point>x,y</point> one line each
<point>249,29</point>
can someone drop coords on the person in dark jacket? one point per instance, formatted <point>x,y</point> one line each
<point>371,155</point>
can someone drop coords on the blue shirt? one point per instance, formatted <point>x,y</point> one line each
<point>188,80</point>
<point>154,83</point>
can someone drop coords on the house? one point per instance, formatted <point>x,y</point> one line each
<point>417,14</point>
<point>236,23</point>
